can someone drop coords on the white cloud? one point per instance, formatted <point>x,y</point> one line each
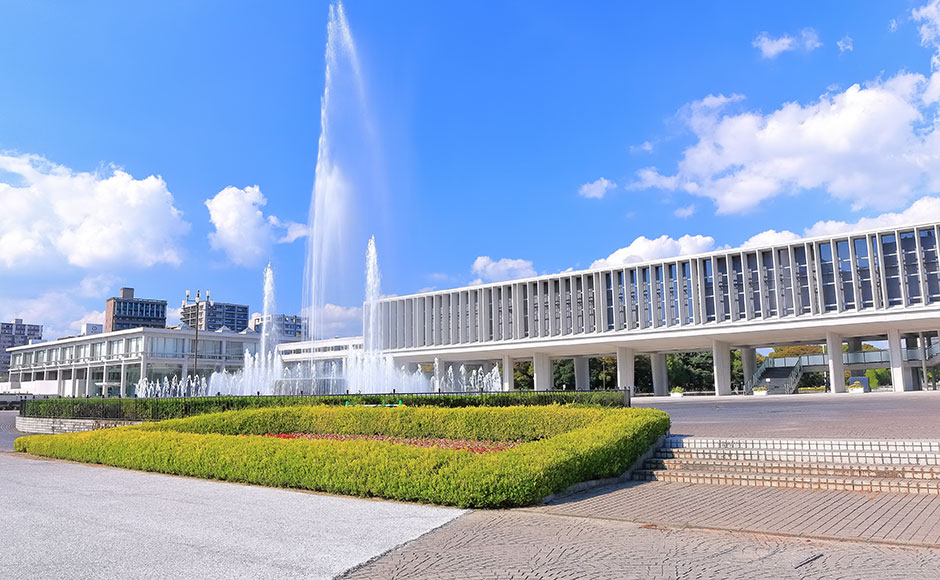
<point>596,189</point>
<point>644,249</point>
<point>684,212</point>
<point>771,47</point>
<point>58,312</point>
<point>96,285</point>
<point>503,269</point>
<point>173,315</point>
<point>929,18</point>
<point>241,229</point>
<point>89,219</point>
<point>856,145</point>
<point>925,209</point>
<point>644,147</point>
<point>845,44</point>
<point>770,238</point>
<point>809,39</point>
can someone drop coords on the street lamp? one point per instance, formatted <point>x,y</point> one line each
<point>198,302</point>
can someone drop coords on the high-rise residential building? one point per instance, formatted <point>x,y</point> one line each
<point>16,334</point>
<point>287,328</point>
<point>126,311</point>
<point>214,315</point>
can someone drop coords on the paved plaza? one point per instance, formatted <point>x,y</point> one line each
<point>93,522</point>
<point>910,415</point>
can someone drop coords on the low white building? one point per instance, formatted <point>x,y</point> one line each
<point>112,363</point>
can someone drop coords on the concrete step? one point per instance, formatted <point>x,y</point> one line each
<point>863,484</point>
<point>803,456</point>
<point>853,470</point>
<point>898,445</point>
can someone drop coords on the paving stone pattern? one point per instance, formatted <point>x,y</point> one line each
<point>880,517</point>
<point>529,545</point>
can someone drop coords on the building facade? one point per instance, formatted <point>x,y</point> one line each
<point>287,328</point>
<point>16,333</point>
<point>881,285</point>
<point>214,315</point>
<point>126,311</point>
<point>111,364</point>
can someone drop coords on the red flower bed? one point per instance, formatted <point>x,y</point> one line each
<point>461,444</point>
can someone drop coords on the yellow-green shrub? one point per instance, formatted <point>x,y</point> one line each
<point>563,446</point>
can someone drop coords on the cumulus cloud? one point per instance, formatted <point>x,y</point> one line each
<point>845,44</point>
<point>926,209</point>
<point>59,313</point>
<point>241,229</point>
<point>771,47</point>
<point>644,249</point>
<point>596,189</point>
<point>489,270</point>
<point>770,238</point>
<point>108,218</point>
<point>856,145</point>
<point>96,285</point>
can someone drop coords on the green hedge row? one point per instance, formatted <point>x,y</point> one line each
<point>161,409</point>
<point>563,445</point>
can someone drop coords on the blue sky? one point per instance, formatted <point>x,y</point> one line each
<point>510,138</point>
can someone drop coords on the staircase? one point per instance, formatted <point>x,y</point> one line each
<point>846,465</point>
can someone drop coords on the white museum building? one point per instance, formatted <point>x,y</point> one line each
<point>872,286</point>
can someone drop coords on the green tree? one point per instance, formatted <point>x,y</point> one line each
<point>603,372</point>
<point>522,375</point>
<point>563,374</point>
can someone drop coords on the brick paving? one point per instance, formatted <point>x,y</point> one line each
<point>536,545</point>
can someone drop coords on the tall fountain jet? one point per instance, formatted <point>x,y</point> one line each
<point>269,330</point>
<point>332,202</point>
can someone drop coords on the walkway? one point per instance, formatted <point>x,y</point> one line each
<point>910,415</point>
<point>70,521</point>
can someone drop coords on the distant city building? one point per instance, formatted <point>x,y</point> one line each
<point>91,328</point>
<point>287,328</point>
<point>126,311</point>
<point>215,315</point>
<point>16,334</point>
<point>112,363</point>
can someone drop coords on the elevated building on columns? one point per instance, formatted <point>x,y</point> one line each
<point>839,290</point>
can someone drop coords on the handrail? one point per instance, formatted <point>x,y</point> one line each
<point>794,377</point>
<point>749,385</point>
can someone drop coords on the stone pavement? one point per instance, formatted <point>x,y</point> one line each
<point>911,415</point>
<point>71,521</point>
<point>875,517</point>
<point>531,545</point>
<point>8,430</point>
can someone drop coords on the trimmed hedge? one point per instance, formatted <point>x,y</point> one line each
<point>562,446</point>
<point>161,409</point>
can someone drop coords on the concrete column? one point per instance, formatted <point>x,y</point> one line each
<point>748,362</point>
<point>88,382</point>
<point>836,366</point>
<point>626,377</point>
<point>123,380</point>
<point>506,373</point>
<point>900,380</point>
<point>437,373</point>
<point>542,369</point>
<point>660,375</point>
<point>855,344</point>
<point>721,364</point>
<point>582,374</point>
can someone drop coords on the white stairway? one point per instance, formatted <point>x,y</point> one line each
<point>836,464</point>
